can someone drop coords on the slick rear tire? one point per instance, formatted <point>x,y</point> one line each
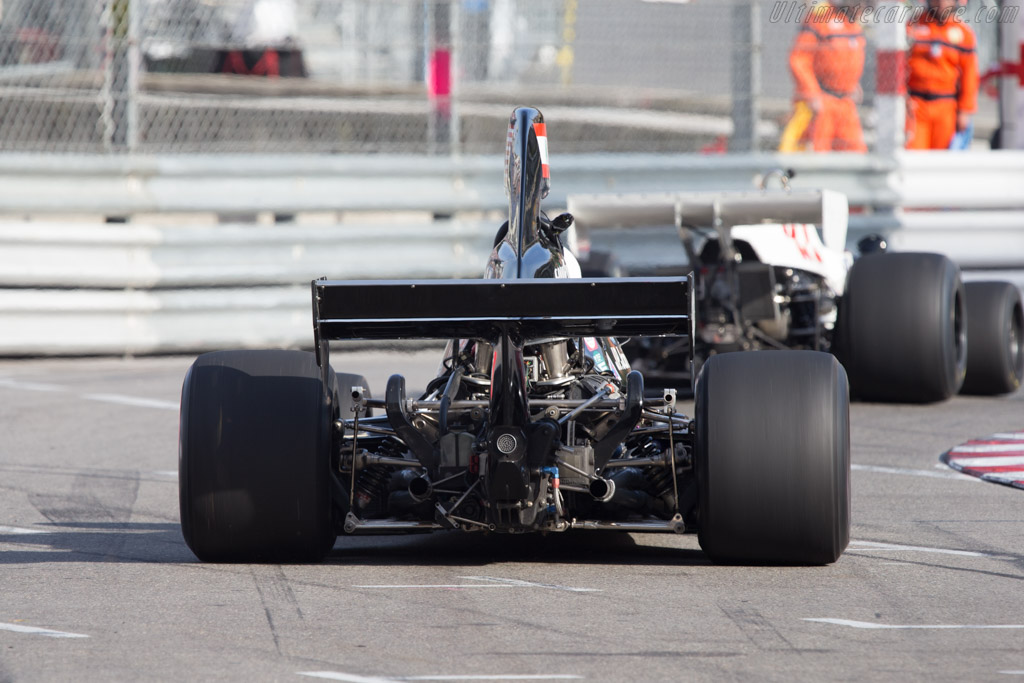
<point>995,338</point>
<point>773,457</point>
<point>254,457</point>
<point>902,329</point>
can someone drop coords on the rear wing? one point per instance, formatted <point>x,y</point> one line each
<point>485,309</point>
<point>443,309</point>
<point>720,210</point>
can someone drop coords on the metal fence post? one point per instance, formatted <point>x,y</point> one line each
<point>746,75</point>
<point>891,78</point>
<point>1011,83</point>
<point>134,52</point>
<point>439,74</point>
<point>457,37</point>
<point>118,74</point>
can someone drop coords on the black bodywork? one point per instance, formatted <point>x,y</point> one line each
<point>535,421</point>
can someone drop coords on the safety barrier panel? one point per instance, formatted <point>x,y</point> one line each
<point>148,256</point>
<point>95,288</point>
<point>172,285</point>
<point>118,186</point>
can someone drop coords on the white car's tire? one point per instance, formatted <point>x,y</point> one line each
<point>902,329</point>
<point>995,334</point>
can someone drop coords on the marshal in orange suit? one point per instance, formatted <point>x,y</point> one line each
<point>827,61</point>
<point>942,84</point>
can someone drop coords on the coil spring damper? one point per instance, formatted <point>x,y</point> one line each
<point>371,488</point>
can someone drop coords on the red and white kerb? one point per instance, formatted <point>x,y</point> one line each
<point>998,458</point>
<point>541,129</point>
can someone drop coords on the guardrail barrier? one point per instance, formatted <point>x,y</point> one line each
<point>160,281</point>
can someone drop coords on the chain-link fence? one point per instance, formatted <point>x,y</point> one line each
<point>410,76</point>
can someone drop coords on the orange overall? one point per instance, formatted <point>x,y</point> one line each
<point>827,61</point>
<point>942,81</point>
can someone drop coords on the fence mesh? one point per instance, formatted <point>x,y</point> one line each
<point>369,76</point>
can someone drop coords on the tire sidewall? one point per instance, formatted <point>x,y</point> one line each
<point>253,488</point>
<point>770,494</point>
<point>902,327</point>
<point>996,315</point>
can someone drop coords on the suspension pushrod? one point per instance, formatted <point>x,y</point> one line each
<point>596,398</point>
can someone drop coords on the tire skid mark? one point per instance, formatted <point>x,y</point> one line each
<point>104,498</point>
<point>280,606</point>
<point>756,627</point>
<point>461,613</point>
<point>94,500</point>
<point>91,499</point>
<point>967,570</point>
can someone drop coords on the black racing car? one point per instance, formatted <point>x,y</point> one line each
<point>535,422</point>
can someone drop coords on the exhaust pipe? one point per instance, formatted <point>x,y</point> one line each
<point>629,494</point>
<point>602,489</point>
<point>420,489</point>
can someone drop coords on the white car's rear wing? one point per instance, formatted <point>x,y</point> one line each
<point>720,210</point>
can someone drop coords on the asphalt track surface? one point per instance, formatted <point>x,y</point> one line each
<point>96,583</point>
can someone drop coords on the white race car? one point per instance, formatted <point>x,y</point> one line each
<point>772,272</point>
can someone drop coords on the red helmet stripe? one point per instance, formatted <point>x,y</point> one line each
<point>541,129</point>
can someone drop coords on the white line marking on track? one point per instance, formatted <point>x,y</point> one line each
<point>1013,673</point>
<point>132,401</point>
<point>530,584</point>
<point>873,625</point>
<point>30,386</point>
<point>33,630</point>
<point>1006,436</point>
<point>429,585</point>
<point>949,474</point>
<point>488,582</point>
<point>15,530</point>
<point>492,677</point>
<point>103,398</point>
<point>339,676</point>
<point>355,678</point>
<point>869,546</point>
